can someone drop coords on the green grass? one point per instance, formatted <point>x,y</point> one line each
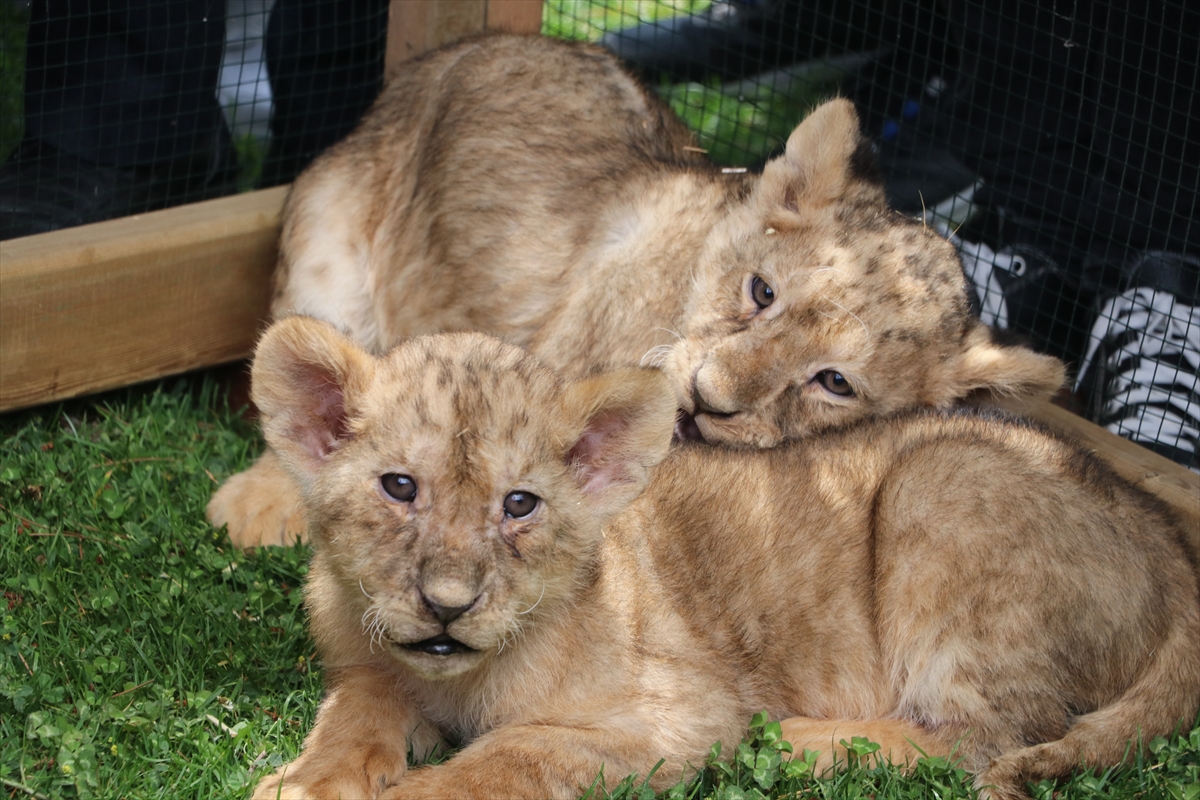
<point>742,127</point>
<point>251,154</point>
<point>141,656</point>
<point>739,124</point>
<point>589,19</point>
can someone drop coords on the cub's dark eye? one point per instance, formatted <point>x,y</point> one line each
<point>834,383</point>
<point>398,487</point>
<point>520,504</point>
<point>762,293</point>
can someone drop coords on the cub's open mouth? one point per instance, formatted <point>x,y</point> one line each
<point>440,645</point>
<point>686,429</point>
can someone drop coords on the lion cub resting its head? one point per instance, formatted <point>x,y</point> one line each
<point>486,574</point>
<point>531,189</point>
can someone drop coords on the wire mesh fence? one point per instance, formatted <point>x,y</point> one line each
<point>1057,144</point>
<point>131,105</point>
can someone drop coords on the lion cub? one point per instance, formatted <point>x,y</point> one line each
<point>486,574</point>
<point>531,189</point>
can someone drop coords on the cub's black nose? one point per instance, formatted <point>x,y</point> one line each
<point>445,614</point>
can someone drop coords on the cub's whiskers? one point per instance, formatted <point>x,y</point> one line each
<point>656,356</point>
<point>374,629</point>
<point>540,596</point>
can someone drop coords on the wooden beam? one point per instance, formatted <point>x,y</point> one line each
<point>110,304</point>
<point>515,16</point>
<point>1172,483</point>
<point>418,26</point>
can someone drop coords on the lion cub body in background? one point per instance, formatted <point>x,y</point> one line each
<point>531,189</point>
<point>486,573</point>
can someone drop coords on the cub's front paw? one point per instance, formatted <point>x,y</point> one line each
<point>260,506</point>
<point>363,775</point>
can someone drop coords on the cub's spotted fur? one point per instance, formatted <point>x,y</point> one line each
<point>485,573</point>
<point>531,189</point>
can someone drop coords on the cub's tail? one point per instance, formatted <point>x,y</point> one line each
<point>1164,698</point>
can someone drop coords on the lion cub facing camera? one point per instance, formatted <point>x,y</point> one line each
<point>531,189</point>
<point>489,572</point>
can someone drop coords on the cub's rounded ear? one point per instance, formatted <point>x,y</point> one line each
<point>826,156</point>
<point>1003,370</point>
<point>305,381</point>
<point>625,420</point>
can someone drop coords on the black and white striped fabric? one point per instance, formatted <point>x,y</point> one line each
<point>1143,358</point>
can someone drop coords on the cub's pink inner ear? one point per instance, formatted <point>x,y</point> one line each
<point>318,422</point>
<point>305,379</point>
<point>626,419</point>
<point>597,456</point>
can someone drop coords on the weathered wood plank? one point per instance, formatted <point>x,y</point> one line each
<point>109,304</point>
<point>418,26</point>
<point>515,16</point>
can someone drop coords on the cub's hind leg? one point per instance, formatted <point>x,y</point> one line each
<point>1031,598</point>
<point>260,506</point>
